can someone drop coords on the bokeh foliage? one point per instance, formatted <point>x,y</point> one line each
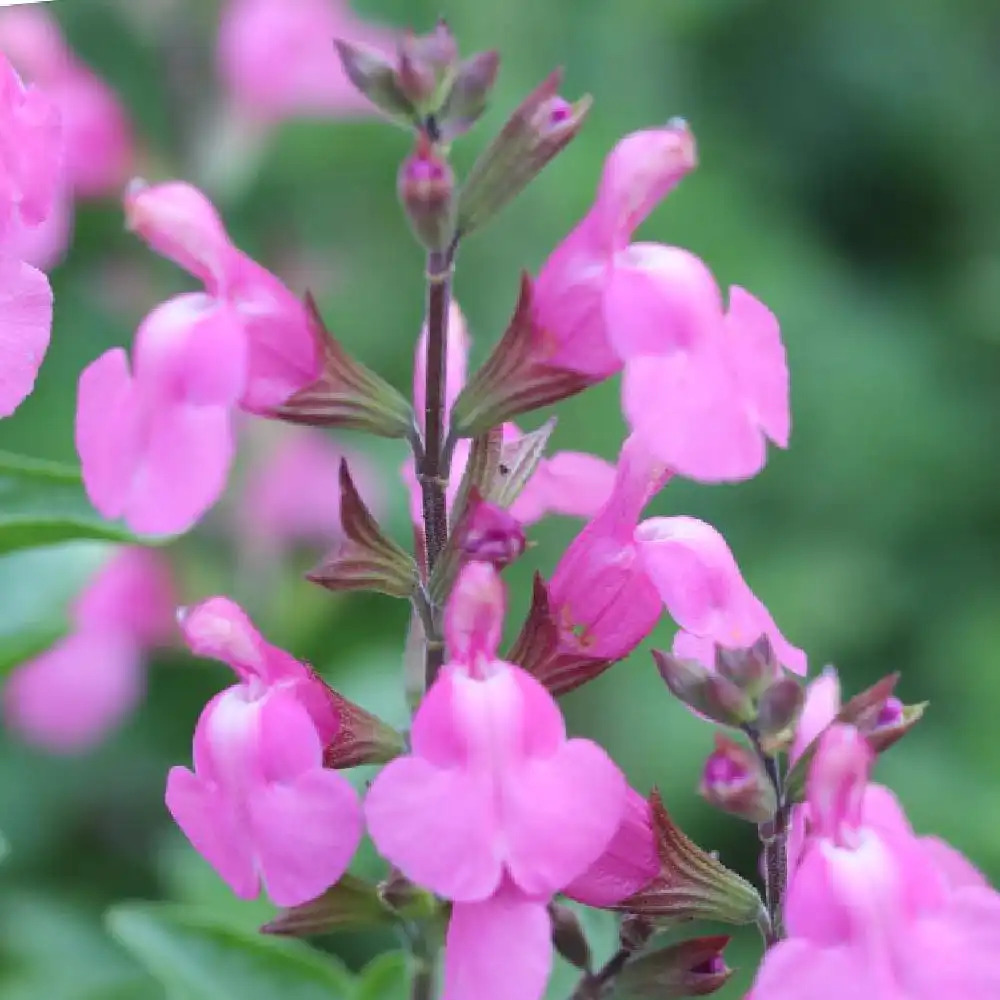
<point>848,177</point>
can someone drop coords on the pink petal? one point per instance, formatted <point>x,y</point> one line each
<point>640,172</point>
<point>219,629</point>
<point>570,482</point>
<point>214,827</point>
<point>25,325</point>
<point>192,349</point>
<point>660,299</point>
<point>685,409</point>
<point>69,698</point>
<point>567,306</point>
<point>180,223</point>
<point>797,970</point>
<point>473,621</point>
<point>437,826</point>
<point>305,834</point>
<point>499,949</point>
<point>108,431</point>
<point>282,347</point>
<point>629,863</point>
<point>132,595</point>
<point>274,57</point>
<point>820,708</point>
<point>184,469</point>
<point>759,359</point>
<point>44,246</point>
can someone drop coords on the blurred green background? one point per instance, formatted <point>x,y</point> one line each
<point>849,166</point>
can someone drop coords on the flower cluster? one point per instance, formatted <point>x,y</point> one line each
<point>484,809</point>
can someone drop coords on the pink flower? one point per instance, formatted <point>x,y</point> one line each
<point>99,147</point>
<point>569,482</point>
<point>259,805</point>
<point>277,60</point>
<point>628,865</point>
<point>869,911</point>
<point>31,153</point>
<point>289,497</point>
<point>68,698</point>
<point>612,583</point>
<point>494,809</point>
<point>159,456</point>
<point>703,387</point>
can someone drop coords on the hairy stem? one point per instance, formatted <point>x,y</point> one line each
<point>422,986</point>
<point>433,463</point>
<point>773,837</point>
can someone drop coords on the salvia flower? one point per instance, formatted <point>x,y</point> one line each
<point>70,697</point>
<point>156,442</point>
<point>31,154</point>
<point>870,910</point>
<point>259,805</point>
<point>613,582</point>
<point>494,808</point>
<point>704,385</point>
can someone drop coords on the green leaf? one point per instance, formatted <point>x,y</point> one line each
<point>385,978</point>
<point>43,502</point>
<point>38,586</point>
<point>197,958</point>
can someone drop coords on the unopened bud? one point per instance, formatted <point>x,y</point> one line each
<point>894,722</point>
<point>351,904</point>
<point>375,77</point>
<point>360,737</point>
<point>490,533</point>
<point>691,968</point>
<point>426,67</point>
<point>710,694</point>
<point>734,780</point>
<point>469,94</point>
<point>568,937</point>
<point>426,186</point>
<point>752,669</point>
<point>540,128</point>
<point>779,706</point>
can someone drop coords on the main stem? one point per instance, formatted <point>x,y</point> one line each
<point>433,471</point>
<point>774,839</point>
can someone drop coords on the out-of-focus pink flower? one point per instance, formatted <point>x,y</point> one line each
<point>31,155</point>
<point>869,911</point>
<point>259,806</point>
<point>159,454</point>
<point>286,499</point>
<point>277,59</point>
<point>494,809</point>
<point>629,864</point>
<point>617,575</point>
<point>98,136</point>
<point>571,483</point>
<point>68,698</point>
<point>704,386</point>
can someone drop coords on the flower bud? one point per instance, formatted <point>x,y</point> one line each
<point>692,884</point>
<point>568,937</point>
<point>470,91</point>
<point>367,559</point>
<point>375,77</point>
<point>426,67</point>
<point>539,128</point>
<point>751,669</point>
<point>489,533</point>
<point>691,968</point>
<point>708,693</point>
<point>346,394</point>
<point>894,722</point>
<point>779,706</point>
<point>426,186</point>
<point>734,780</point>
<point>360,737</point>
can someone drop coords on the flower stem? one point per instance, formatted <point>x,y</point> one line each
<point>433,465</point>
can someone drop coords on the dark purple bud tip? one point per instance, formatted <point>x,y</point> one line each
<point>423,170</point>
<point>491,534</point>
<point>713,966</point>
<point>560,110</point>
<point>723,769</point>
<point>891,713</point>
